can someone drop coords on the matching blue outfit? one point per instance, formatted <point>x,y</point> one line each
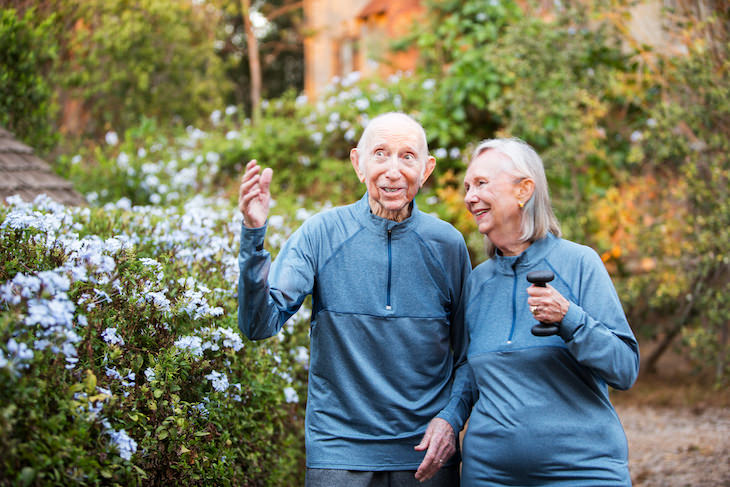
<point>388,344</point>
<point>543,416</point>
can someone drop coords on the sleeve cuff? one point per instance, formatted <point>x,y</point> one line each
<point>452,421</point>
<point>253,238</point>
<point>572,320</point>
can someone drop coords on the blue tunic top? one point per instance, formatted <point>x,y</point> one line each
<point>388,345</point>
<point>543,416</point>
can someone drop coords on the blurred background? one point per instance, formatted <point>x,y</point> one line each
<point>153,103</point>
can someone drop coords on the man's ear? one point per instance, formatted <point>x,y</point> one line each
<point>430,166</point>
<point>355,160</point>
<point>525,188</point>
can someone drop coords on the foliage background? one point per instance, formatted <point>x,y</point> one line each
<point>120,361</point>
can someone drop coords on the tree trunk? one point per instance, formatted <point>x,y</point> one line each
<point>254,64</point>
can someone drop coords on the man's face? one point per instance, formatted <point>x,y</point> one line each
<point>394,165</point>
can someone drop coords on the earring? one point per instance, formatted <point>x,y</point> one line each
<point>522,205</point>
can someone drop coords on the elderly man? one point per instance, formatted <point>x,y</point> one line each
<point>388,386</point>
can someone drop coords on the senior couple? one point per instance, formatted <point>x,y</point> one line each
<point>407,342</point>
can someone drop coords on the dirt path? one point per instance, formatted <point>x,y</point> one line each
<point>677,447</point>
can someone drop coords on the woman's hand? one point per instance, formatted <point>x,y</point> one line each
<point>254,196</point>
<point>547,304</point>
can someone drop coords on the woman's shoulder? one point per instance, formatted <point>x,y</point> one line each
<point>570,250</point>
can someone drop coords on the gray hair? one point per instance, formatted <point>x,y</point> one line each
<point>363,143</point>
<point>537,218</point>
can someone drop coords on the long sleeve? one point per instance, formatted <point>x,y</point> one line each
<point>596,331</point>
<point>268,294</point>
<point>463,390</point>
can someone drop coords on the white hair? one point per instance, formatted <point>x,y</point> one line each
<point>537,218</point>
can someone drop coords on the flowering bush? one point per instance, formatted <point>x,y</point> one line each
<point>120,358</point>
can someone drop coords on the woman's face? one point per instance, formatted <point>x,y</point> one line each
<point>492,196</point>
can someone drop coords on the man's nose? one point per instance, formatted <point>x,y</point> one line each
<point>393,170</point>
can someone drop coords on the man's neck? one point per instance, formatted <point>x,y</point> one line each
<point>396,215</point>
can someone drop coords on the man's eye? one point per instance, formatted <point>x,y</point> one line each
<point>380,153</point>
<point>408,157</point>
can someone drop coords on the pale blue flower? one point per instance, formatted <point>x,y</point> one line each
<point>110,336</point>
<point>218,380</point>
<point>122,441</point>
<point>291,395</point>
<point>111,138</point>
<point>192,343</point>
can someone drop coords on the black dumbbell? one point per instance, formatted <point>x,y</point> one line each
<point>540,278</point>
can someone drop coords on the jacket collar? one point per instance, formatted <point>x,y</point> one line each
<point>383,225</point>
<point>530,257</point>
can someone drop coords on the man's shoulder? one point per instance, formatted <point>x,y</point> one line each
<point>433,225</point>
<point>329,217</point>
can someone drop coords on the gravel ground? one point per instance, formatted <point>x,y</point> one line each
<point>677,447</point>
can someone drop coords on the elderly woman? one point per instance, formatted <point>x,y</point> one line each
<point>543,416</point>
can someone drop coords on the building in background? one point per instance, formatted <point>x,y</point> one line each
<point>25,174</point>
<point>346,36</point>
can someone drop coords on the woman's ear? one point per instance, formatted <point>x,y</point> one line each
<point>525,188</point>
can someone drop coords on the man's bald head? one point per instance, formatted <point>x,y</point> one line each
<point>383,122</point>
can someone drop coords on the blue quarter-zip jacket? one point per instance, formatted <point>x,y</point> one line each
<point>388,344</point>
<point>543,416</point>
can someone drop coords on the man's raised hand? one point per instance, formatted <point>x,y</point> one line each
<point>254,195</point>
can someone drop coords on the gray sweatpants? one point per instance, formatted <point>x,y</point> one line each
<point>321,477</point>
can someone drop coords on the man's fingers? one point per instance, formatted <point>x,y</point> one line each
<point>246,198</point>
<point>265,180</point>
<point>424,441</point>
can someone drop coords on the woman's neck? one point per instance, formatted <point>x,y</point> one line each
<point>508,245</point>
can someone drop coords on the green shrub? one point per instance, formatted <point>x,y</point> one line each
<point>120,358</point>
<point>26,97</point>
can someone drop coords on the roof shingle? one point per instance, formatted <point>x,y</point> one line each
<point>25,174</point>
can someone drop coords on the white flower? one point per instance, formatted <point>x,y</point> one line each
<point>218,380</point>
<point>428,84</point>
<point>440,153</point>
<point>110,336</point>
<point>149,374</point>
<point>291,395</point>
<point>123,160</point>
<point>302,355</point>
<point>111,138</point>
<point>362,104</point>
<point>636,136</point>
<point>192,343</point>
<point>124,443</point>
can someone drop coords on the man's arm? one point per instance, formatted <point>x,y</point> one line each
<point>440,437</point>
<point>265,302</point>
